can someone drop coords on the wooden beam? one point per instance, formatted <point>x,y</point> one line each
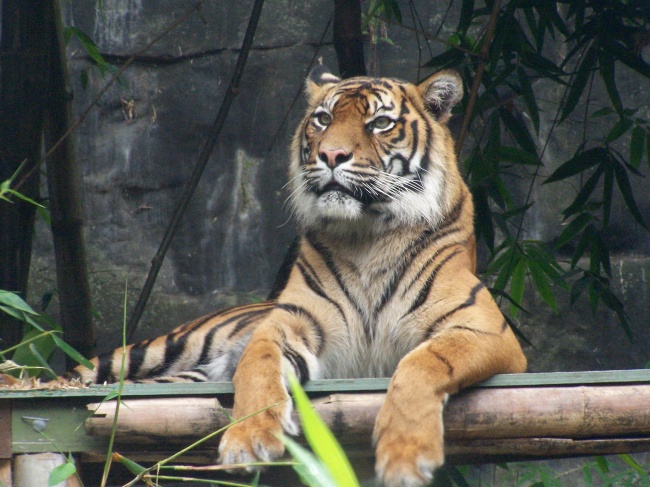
<point>538,421</point>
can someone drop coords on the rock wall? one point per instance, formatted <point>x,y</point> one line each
<point>139,145</point>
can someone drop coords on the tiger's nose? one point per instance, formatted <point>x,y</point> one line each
<point>334,157</point>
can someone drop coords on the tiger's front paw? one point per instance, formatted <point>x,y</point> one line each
<point>409,448</point>
<point>257,439</point>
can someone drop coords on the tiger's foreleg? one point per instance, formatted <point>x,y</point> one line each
<point>274,351</point>
<point>409,430</point>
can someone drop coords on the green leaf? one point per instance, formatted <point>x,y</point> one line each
<point>451,57</point>
<point>602,112</point>
<point>579,163</point>
<point>14,301</point>
<point>626,190</point>
<point>607,73</point>
<point>529,97</point>
<point>72,353</point>
<point>483,220</point>
<point>619,128</point>
<point>59,474</point>
<point>518,130</point>
<point>517,285</point>
<point>321,439</point>
<point>24,198</point>
<point>311,471</point>
<point>134,468</point>
<point>579,287</point>
<point>637,141</point>
<point>579,82</point>
<point>573,229</point>
<point>466,15</point>
<point>631,462</point>
<point>588,235</point>
<point>88,44</point>
<point>608,191</point>
<point>584,194</point>
<point>518,156</point>
<point>541,284</point>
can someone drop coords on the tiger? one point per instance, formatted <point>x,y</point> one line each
<point>381,282</point>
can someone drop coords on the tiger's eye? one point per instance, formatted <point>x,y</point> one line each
<point>381,123</point>
<point>324,118</point>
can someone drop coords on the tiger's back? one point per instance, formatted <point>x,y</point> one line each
<point>380,283</point>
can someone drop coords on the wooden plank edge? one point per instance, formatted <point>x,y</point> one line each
<point>637,376</point>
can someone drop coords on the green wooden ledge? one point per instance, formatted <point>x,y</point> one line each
<point>338,385</point>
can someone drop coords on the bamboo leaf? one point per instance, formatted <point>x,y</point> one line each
<point>573,229</point>
<point>608,191</point>
<point>14,301</point>
<point>60,473</point>
<point>529,97</point>
<point>584,243</point>
<point>541,284</point>
<point>584,194</point>
<point>134,468</point>
<point>579,82</point>
<point>579,163</point>
<point>466,15</point>
<point>637,141</point>
<point>321,439</point>
<point>607,73</point>
<point>517,285</point>
<point>518,156</point>
<point>579,287</point>
<point>72,353</point>
<point>626,190</point>
<point>451,57</point>
<point>311,471</point>
<point>619,128</point>
<point>518,130</point>
<point>88,44</point>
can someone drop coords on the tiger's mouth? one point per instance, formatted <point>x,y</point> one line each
<point>358,194</point>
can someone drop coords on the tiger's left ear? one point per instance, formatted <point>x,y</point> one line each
<point>320,79</point>
<point>441,92</point>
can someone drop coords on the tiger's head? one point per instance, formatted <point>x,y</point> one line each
<point>374,153</point>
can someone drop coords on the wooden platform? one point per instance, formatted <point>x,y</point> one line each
<point>519,416</point>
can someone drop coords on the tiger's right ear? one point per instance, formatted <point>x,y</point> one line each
<point>320,79</point>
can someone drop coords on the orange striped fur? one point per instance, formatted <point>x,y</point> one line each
<point>381,283</point>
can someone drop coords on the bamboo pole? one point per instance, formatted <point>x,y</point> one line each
<point>534,421</point>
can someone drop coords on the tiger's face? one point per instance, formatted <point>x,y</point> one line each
<point>373,152</point>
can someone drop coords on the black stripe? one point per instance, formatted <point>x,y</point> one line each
<point>285,269</point>
<point>326,255</point>
<point>314,284</point>
<point>104,368</point>
<point>246,320</point>
<point>191,377</point>
<point>470,301</point>
<point>207,342</point>
<point>450,368</point>
<point>174,348</point>
<point>297,361</point>
<point>315,324</point>
<point>424,291</point>
<point>136,358</point>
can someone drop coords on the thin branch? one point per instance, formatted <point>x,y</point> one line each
<point>193,182</point>
<point>429,36</point>
<point>483,56</point>
<point>110,83</point>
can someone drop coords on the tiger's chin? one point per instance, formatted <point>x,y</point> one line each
<point>335,205</point>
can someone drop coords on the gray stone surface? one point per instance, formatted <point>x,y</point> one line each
<point>138,147</point>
